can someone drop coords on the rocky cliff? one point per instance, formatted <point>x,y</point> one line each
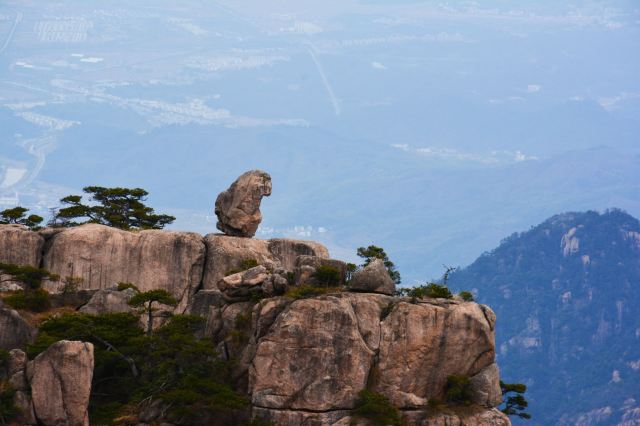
<point>301,359</point>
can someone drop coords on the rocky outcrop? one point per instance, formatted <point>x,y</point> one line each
<point>109,301</point>
<point>54,388</point>
<point>323,359</point>
<point>103,256</point>
<point>436,339</point>
<point>20,246</point>
<point>225,254</point>
<point>305,361</point>
<point>373,278</point>
<point>60,380</point>
<point>17,374</point>
<point>486,386</point>
<point>458,416</point>
<point>300,361</point>
<point>238,208</point>
<point>15,332</point>
<point>259,281</point>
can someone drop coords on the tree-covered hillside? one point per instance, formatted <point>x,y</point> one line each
<point>566,294</point>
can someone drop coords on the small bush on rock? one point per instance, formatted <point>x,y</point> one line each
<point>305,291</point>
<point>8,411</point>
<point>432,290</point>
<point>35,300</point>
<point>458,390</point>
<point>376,408</point>
<point>124,286</point>
<point>327,276</point>
<point>467,296</point>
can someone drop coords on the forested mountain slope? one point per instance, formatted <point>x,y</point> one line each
<point>567,293</point>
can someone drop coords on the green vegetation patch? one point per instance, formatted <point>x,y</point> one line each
<point>305,291</point>
<point>327,276</point>
<point>171,364</point>
<point>377,409</point>
<point>458,390</point>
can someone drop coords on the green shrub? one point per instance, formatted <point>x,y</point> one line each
<point>124,286</point>
<point>33,300</point>
<point>467,296</point>
<point>30,276</point>
<point>351,269</point>
<point>291,278</point>
<point>432,290</point>
<point>4,362</point>
<point>8,411</point>
<point>327,276</point>
<point>71,284</point>
<point>376,408</point>
<point>458,390</point>
<point>243,320</point>
<point>305,291</point>
<point>434,403</point>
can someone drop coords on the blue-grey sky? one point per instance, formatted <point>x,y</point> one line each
<point>432,129</point>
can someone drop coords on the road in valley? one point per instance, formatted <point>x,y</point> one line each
<point>13,30</point>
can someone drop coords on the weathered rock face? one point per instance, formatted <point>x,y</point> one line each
<point>60,380</point>
<point>437,340</point>
<point>373,278</point>
<point>486,386</point>
<point>20,246</point>
<point>238,208</point>
<point>17,375</point>
<point>459,416</point>
<point>323,358</point>
<point>152,259</point>
<point>226,253</point>
<point>15,332</point>
<point>308,359</point>
<point>109,301</point>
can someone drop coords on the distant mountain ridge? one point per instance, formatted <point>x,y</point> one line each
<point>566,294</point>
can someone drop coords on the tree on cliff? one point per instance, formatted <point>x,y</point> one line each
<point>33,298</point>
<point>373,252</point>
<point>514,400</point>
<point>122,208</point>
<point>18,215</point>
<point>172,366</point>
<point>147,300</point>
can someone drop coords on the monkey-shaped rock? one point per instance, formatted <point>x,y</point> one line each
<point>238,208</point>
